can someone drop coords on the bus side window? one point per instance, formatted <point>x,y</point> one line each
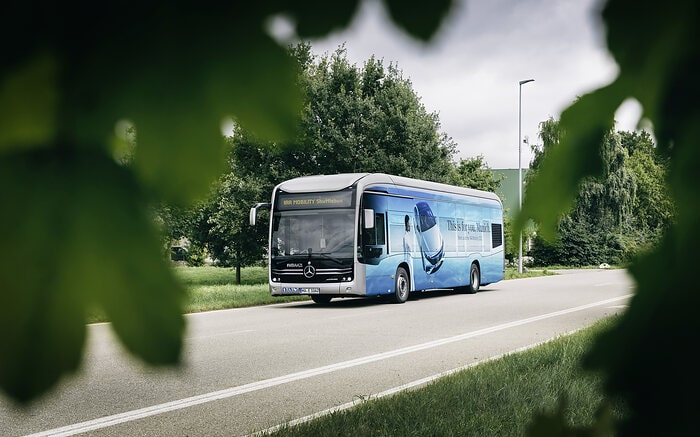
<point>373,237</point>
<point>368,237</point>
<point>380,230</point>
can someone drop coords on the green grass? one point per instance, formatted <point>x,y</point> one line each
<point>208,275</point>
<point>498,398</point>
<point>217,297</point>
<point>512,272</point>
<point>213,288</point>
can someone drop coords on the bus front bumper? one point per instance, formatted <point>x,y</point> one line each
<point>338,289</point>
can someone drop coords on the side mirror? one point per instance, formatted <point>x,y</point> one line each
<point>369,218</point>
<point>252,218</point>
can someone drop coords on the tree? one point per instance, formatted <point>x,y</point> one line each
<point>653,206</point>
<point>230,238</point>
<point>354,119</point>
<point>79,223</point>
<point>474,173</point>
<point>607,221</point>
<point>178,222</point>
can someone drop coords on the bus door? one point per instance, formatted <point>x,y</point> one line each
<point>373,229</point>
<point>373,244</point>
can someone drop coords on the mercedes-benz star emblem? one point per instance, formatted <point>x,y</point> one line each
<point>309,271</point>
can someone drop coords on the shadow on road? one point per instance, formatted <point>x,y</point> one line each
<point>360,302</point>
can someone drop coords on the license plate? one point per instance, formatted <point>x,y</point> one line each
<point>310,290</point>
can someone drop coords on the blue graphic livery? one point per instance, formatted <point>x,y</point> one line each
<point>431,242</point>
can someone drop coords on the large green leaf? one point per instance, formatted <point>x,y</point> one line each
<point>316,18</point>
<point>583,126</point>
<point>177,86</point>
<point>655,45</point>
<point>419,18</point>
<point>75,236</point>
<point>28,103</point>
<point>75,229</point>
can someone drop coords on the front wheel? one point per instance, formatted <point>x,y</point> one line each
<point>474,279</point>
<point>402,286</point>
<point>321,298</point>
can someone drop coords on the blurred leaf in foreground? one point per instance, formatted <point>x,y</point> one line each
<point>75,226</point>
<point>656,47</point>
<point>77,235</point>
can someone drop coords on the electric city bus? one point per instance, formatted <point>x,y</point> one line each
<point>373,234</point>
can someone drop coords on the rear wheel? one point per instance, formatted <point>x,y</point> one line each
<point>402,286</point>
<point>474,279</point>
<point>321,298</point>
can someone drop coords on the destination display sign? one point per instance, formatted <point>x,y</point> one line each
<point>298,201</point>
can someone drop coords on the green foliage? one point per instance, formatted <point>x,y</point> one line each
<point>365,119</point>
<point>359,119</point>
<point>581,244</point>
<point>195,255</point>
<point>511,250</point>
<point>653,208</point>
<point>475,173</point>
<point>655,46</point>
<point>75,219</point>
<point>230,238</point>
<point>610,220</point>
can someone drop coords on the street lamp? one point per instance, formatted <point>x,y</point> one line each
<point>520,167</point>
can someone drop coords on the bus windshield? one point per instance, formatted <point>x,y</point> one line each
<point>311,233</point>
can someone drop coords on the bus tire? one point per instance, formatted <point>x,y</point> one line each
<point>321,298</point>
<point>402,286</point>
<point>474,279</point>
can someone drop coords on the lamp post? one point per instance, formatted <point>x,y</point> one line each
<point>520,167</point>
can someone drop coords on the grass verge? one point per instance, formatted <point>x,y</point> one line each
<point>498,398</point>
<point>213,288</point>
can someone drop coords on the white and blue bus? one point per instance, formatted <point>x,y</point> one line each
<point>373,234</point>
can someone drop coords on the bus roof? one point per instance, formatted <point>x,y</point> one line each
<point>365,181</point>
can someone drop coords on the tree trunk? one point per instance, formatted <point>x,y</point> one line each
<point>238,267</point>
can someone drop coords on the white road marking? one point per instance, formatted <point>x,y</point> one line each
<point>115,419</point>
<point>400,388</point>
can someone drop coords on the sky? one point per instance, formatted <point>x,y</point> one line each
<point>469,72</point>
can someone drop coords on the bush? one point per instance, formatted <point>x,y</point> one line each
<point>195,255</point>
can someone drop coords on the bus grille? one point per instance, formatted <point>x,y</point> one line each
<point>320,275</point>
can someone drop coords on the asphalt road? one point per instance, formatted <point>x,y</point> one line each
<point>246,370</point>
